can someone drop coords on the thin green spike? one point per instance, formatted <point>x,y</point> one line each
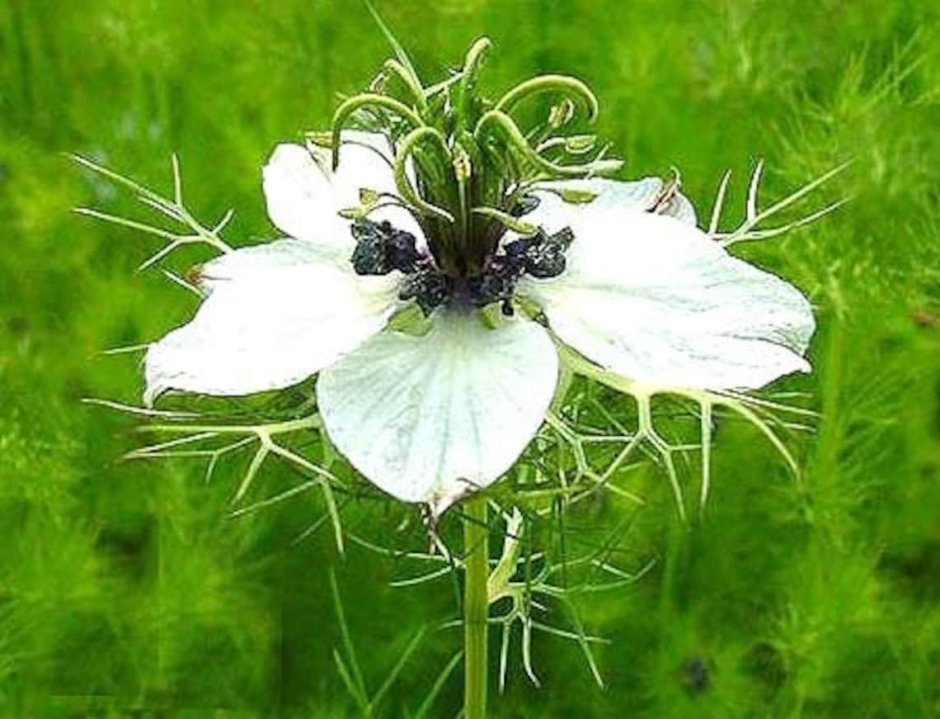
<point>399,49</point>
<point>425,708</point>
<point>355,673</point>
<point>397,669</point>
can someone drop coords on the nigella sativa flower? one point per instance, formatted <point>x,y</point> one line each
<point>441,268</point>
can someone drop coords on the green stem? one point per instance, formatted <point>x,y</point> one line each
<point>475,608</point>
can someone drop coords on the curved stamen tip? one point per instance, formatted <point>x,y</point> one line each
<point>569,87</point>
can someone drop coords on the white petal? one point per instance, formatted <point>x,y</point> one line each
<point>275,314</point>
<point>304,196</point>
<point>429,419</point>
<point>659,302</point>
<point>553,212</point>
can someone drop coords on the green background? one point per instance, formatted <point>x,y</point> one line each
<point>127,589</point>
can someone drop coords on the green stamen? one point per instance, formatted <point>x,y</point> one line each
<point>462,163</point>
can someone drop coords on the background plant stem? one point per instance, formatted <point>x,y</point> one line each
<point>475,609</point>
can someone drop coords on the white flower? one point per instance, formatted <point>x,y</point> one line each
<point>429,418</point>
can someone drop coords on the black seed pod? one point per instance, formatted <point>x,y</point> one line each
<point>380,248</point>
<point>369,256</point>
<point>541,255</point>
<point>546,258</point>
<point>427,286</point>
<point>498,282</point>
<point>401,252</point>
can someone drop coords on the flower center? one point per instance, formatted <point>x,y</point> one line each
<point>465,167</point>
<point>381,248</point>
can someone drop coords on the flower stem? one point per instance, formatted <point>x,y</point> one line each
<point>475,608</point>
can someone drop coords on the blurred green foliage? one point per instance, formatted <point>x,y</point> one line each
<point>128,590</point>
